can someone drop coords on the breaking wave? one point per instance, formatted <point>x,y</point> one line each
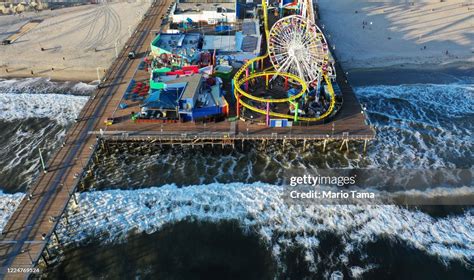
<point>421,126</point>
<point>34,113</point>
<point>110,216</point>
<point>8,205</point>
<point>44,86</point>
<point>41,98</point>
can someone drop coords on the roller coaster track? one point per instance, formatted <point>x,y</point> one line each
<point>240,80</point>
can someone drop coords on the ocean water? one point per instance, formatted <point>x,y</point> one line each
<point>418,126</point>
<point>422,126</point>
<point>34,114</point>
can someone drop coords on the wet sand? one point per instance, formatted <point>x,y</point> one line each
<point>411,74</point>
<point>368,34</point>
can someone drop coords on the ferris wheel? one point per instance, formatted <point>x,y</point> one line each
<point>297,46</point>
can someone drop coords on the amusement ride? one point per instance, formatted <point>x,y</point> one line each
<point>297,82</point>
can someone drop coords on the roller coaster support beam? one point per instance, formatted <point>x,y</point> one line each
<point>296,112</point>
<point>246,76</point>
<point>232,85</point>
<point>238,105</point>
<point>268,114</point>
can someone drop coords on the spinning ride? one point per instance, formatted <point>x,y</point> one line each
<point>299,55</point>
<point>297,46</point>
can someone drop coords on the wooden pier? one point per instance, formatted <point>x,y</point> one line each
<point>349,124</point>
<point>32,226</point>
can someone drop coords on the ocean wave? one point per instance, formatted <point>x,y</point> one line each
<point>19,155</point>
<point>41,98</point>
<point>418,125</point>
<point>34,113</point>
<point>420,102</point>
<point>8,205</point>
<point>44,86</point>
<point>59,107</point>
<point>110,216</point>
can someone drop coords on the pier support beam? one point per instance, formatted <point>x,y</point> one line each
<point>324,145</point>
<point>102,144</point>
<point>57,237</point>
<point>365,146</point>
<point>45,260</point>
<point>66,217</point>
<point>47,251</point>
<point>345,142</point>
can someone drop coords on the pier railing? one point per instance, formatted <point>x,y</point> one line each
<point>217,136</point>
<point>72,191</point>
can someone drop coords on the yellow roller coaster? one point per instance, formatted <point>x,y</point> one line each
<point>251,72</point>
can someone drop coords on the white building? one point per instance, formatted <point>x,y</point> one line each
<point>210,13</point>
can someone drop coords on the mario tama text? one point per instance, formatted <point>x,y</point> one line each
<point>326,189</point>
<point>330,194</point>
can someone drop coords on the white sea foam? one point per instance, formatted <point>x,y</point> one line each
<point>59,107</point>
<point>356,272</point>
<point>111,215</point>
<point>420,126</point>
<point>44,86</point>
<point>8,205</point>
<point>19,156</point>
<point>42,98</point>
<point>451,100</point>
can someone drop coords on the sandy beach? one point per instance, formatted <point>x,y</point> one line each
<point>427,33</point>
<point>71,43</point>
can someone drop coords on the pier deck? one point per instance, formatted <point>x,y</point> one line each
<point>32,225</point>
<point>350,123</point>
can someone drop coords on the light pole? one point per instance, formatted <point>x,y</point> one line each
<point>43,165</point>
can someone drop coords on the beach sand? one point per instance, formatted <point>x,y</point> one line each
<point>71,43</point>
<point>425,34</point>
<point>364,34</point>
